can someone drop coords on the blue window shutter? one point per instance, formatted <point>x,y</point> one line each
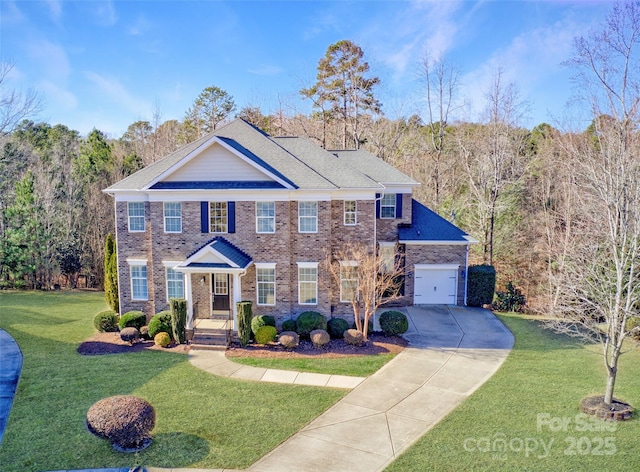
<point>231,215</point>
<point>398,205</point>
<point>377,205</point>
<point>204,217</point>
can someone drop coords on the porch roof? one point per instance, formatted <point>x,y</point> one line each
<point>216,255</point>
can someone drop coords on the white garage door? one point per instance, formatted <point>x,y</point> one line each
<point>435,284</point>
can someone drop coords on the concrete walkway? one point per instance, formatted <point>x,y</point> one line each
<point>10,367</point>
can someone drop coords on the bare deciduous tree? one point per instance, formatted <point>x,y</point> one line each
<point>15,105</point>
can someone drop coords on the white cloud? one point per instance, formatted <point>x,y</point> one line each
<point>105,12</point>
<point>266,70</point>
<point>57,97</point>
<point>140,27</point>
<point>51,59</point>
<point>117,93</point>
<point>55,8</point>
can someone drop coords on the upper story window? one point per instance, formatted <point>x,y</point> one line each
<point>173,217</point>
<point>265,217</point>
<point>307,217</point>
<point>218,217</point>
<point>350,212</point>
<point>135,212</point>
<point>388,206</point>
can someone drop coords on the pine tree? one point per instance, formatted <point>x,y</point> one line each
<point>111,274</point>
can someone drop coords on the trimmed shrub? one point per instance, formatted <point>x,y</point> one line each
<point>129,334</point>
<point>633,327</point>
<point>162,339</point>
<point>319,337</point>
<point>289,339</point>
<point>394,322</point>
<point>353,337</point>
<point>289,325</point>
<point>160,323</point>
<point>259,321</point>
<point>179,319</point>
<point>308,321</point>
<point>266,334</point>
<point>481,284</point>
<point>244,321</point>
<point>144,333</point>
<point>125,420</point>
<point>336,327</point>
<point>133,319</point>
<point>511,300</point>
<point>106,321</point>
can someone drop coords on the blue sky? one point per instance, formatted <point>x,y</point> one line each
<point>106,64</point>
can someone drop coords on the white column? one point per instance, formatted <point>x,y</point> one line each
<point>237,297</point>
<point>189,297</point>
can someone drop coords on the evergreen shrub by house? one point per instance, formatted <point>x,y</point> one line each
<point>394,322</point>
<point>336,327</point>
<point>259,321</point>
<point>481,285</point>
<point>179,319</point>
<point>106,321</point>
<point>160,323</point>
<point>129,334</point>
<point>289,325</point>
<point>308,321</point>
<point>266,334</point>
<point>510,300</point>
<point>133,319</point>
<point>162,339</point>
<point>244,321</point>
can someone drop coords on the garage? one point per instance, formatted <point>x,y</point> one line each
<point>435,284</point>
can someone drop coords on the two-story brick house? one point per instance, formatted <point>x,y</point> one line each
<point>240,215</point>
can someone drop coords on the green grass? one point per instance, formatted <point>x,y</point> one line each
<point>545,374</point>
<point>355,366</point>
<point>201,420</point>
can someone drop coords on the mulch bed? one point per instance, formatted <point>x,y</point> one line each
<point>110,343</point>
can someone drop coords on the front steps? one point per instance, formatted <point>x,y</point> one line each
<point>211,334</point>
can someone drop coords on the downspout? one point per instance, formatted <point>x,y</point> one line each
<point>375,236</point>
<point>466,275</point>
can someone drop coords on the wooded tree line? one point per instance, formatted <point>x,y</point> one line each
<point>518,191</point>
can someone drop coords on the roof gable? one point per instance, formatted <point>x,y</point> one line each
<point>429,227</point>
<point>217,253</point>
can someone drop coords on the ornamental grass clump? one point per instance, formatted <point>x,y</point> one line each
<point>124,420</point>
<point>319,338</point>
<point>353,337</point>
<point>289,339</point>
<point>129,335</point>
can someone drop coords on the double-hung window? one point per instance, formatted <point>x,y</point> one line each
<point>266,283</point>
<point>173,217</point>
<point>350,212</point>
<point>175,282</point>
<point>388,206</point>
<point>139,283</point>
<point>265,217</point>
<point>308,283</point>
<point>308,217</point>
<point>135,212</point>
<point>218,217</point>
<point>348,281</point>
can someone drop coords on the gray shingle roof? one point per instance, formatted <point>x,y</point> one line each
<point>426,225</point>
<point>296,161</point>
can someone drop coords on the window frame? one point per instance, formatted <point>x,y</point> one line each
<point>386,205</point>
<point>223,207</point>
<point>353,213</point>
<point>352,266</point>
<point>262,218</point>
<point>384,246</point>
<point>134,265</point>
<point>307,218</point>
<point>131,216</point>
<point>167,218</point>
<point>303,266</point>
<point>169,266</point>
<point>265,266</point>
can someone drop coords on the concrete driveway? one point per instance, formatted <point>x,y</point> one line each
<point>453,351</point>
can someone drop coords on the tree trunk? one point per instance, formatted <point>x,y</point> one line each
<point>611,382</point>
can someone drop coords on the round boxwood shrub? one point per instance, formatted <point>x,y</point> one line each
<point>133,319</point>
<point>162,339</point>
<point>289,339</point>
<point>160,323</point>
<point>353,337</point>
<point>125,420</point>
<point>259,321</point>
<point>336,327</point>
<point>129,334</point>
<point>266,334</point>
<point>394,322</point>
<point>319,337</point>
<point>289,325</point>
<point>308,321</point>
<point>106,321</point>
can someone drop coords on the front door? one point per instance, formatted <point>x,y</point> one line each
<point>220,293</point>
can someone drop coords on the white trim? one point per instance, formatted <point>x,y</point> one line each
<point>437,266</point>
<point>170,264</point>
<point>265,265</point>
<point>133,261</point>
<point>308,264</point>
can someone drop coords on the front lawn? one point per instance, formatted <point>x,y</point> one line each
<point>202,421</point>
<point>524,417</point>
